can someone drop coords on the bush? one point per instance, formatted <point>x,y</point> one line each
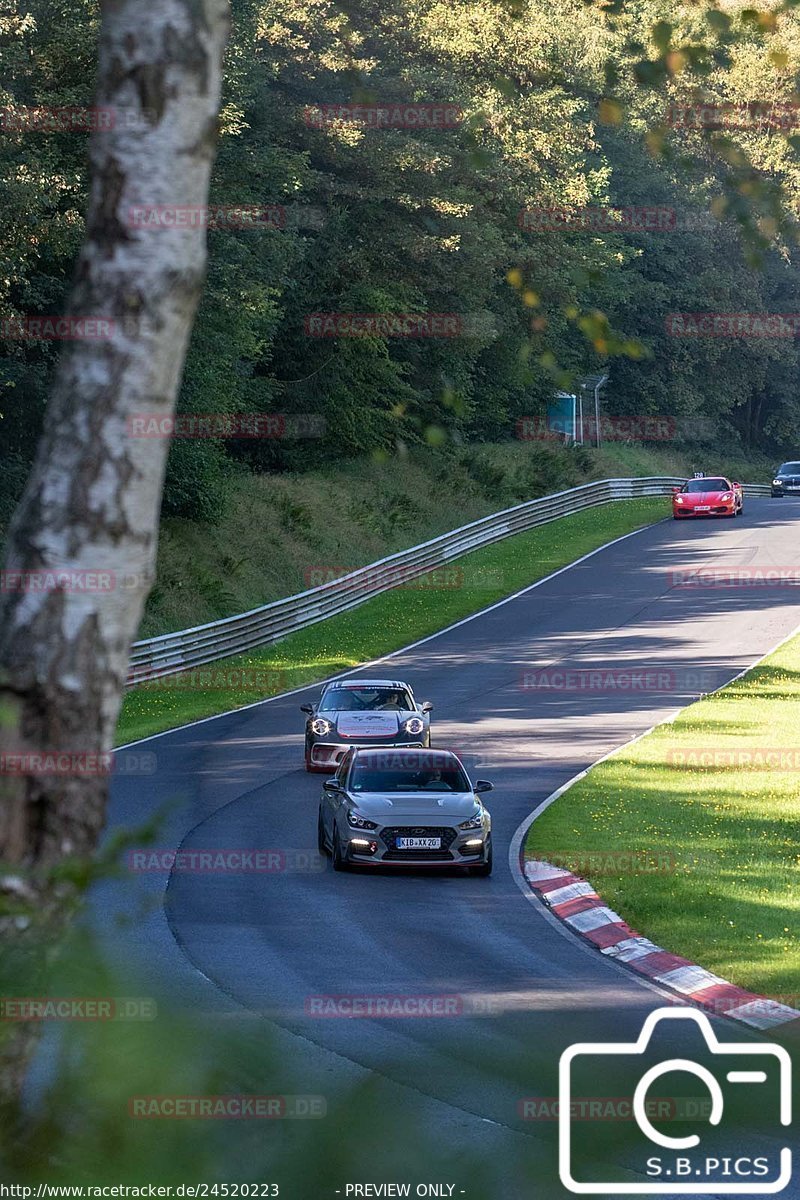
<point>197,481</point>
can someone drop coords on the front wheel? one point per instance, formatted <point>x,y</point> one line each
<point>485,868</point>
<point>740,511</point>
<point>339,861</point>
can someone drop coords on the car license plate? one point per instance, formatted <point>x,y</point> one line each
<point>702,508</point>
<point>419,843</point>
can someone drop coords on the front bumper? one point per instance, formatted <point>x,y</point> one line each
<point>326,756</point>
<point>467,848</point>
<point>716,510</point>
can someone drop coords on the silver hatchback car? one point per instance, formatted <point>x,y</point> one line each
<point>405,807</point>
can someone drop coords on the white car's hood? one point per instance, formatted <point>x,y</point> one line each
<point>369,724</point>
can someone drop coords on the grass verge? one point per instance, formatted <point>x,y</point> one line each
<point>389,622</point>
<point>721,884</point>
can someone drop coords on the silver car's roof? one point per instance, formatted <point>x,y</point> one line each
<point>409,754</point>
<point>355,683</point>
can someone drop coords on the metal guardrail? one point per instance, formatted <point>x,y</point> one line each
<point>172,653</point>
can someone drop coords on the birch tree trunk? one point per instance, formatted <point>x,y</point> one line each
<point>93,497</point>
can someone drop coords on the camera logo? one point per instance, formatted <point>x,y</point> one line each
<point>758,1075</point>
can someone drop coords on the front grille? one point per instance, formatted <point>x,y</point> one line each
<point>391,835</point>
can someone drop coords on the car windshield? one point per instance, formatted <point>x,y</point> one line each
<point>706,485</point>
<point>792,468</point>
<point>429,778</point>
<point>368,699</point>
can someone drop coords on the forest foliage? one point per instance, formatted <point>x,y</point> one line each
<point>571,107</point>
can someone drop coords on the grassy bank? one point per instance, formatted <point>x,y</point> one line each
<point>726,892</point>
<point>386,623</point>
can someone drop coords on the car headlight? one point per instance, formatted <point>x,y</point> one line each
<point>475,821</point>
<point>777,482</point>
<point>679,499</point>
<point>726,496</point>
<point>359,822</point>
<point>320,726</point>
<point>414,725</point>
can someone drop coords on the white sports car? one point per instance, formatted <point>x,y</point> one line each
<point>363,712</point>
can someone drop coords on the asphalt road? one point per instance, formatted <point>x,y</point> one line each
<point>257,948</point>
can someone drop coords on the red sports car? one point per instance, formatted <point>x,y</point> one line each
<point>710,496</point>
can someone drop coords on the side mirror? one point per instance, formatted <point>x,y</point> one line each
<point>331,785</point>
<point>483,785</point>
<point>307,708</point>
<point>675,491</point>
<point>426,706</point>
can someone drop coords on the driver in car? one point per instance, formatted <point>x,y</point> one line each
<point>392,703</point>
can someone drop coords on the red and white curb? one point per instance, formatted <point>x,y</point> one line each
<point>576,903</point>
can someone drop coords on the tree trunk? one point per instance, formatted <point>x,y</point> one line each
<point>92,501</point>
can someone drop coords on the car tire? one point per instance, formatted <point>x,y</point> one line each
<point>740,511</point>
<point>485,868</point>
<point>321,843</point>
<point>339,861</point>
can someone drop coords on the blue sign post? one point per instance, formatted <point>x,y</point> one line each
<point>561,416</point>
